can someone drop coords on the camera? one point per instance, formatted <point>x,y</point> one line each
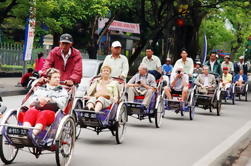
<point>179,72</point>
<point>138,82</point>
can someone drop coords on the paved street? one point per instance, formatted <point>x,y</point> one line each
<point>179,142</point>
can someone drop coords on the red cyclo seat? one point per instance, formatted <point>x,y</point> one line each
<point>189,85</point>
<point>175,95</point>
<point>109,107</point>
<point>139,97</point>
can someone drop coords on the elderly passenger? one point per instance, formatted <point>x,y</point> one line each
<point>142,83</point>
<point>45,101</point>
<point>206,82</point>
<point>103,91</point>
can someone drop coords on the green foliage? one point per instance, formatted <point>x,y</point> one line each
<point>228,27</point>
<point>218,35</point>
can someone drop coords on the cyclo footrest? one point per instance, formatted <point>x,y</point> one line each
<point>172,104</point>
<point>19,136</point>
<point>90,118</point>
<point>135,108</point>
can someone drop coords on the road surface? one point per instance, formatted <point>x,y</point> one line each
<point>179,141</point>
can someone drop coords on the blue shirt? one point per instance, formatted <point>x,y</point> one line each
<point>167,68</point>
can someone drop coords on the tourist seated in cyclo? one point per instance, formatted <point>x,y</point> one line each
<point>240,79</point>
<point>141,84</point>
<point>44,103</point>
<point>103,91</point>
<point>226,79</point>
<point>206,82</point>
<point>178,84</point>
<point>26,77</point>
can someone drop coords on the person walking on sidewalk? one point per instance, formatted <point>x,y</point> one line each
<point>39,62</point>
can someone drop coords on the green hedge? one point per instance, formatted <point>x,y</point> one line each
<point>14,68</point>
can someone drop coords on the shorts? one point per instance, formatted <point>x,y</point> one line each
<point>105,102</point>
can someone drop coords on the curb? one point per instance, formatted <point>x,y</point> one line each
<point>13,93</point>
<point>239,140</point>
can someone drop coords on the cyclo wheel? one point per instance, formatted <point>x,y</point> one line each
<point>120,124</point>
<point>218,107</point>
<point>158,114</point>
<point>78,127</point>
<point>8,152</point>
<point>65,140</point>
<point>233,98</point>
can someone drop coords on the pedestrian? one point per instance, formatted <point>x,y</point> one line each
<point>39,62</point>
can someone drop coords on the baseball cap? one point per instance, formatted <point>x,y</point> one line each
<point>116,44</point>
<point>198,62</point>
<point>225,68</point>
<point>66,38</point>
<point>168,59</point>
<point>241,57</point>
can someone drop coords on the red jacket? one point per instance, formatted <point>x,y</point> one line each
<point>72,70</point>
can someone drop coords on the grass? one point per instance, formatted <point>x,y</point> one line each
<point>13,68</point>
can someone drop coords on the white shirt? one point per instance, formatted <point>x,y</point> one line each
<point>206,83</point>
<point>66,57</point>
<point>240,78</point>
<point>180,82</point>
<point>120,66</point>
<point>212,65</point>
<point>153,63</point>
<point>188,66</point>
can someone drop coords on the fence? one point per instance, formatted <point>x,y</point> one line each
<point>12,54</point>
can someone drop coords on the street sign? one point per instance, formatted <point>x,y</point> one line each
<point>120,26</point>
<point>48,40</point>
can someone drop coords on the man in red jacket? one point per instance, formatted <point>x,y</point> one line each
<point>66,59</point>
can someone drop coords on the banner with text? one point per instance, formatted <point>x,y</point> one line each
<point>119,26</point>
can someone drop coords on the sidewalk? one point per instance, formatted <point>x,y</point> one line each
<point>8,86</point>
<point>245,157</point>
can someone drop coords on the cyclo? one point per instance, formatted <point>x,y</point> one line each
<point>2,107</point>
<point>174,101</point>
<point>241,85</point>
<point>227,86</point>
<point>58,138</point>
<point>208,98</point>
<point>112,118</point>
<point>155,109</point>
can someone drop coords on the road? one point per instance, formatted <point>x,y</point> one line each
<point>179,142</point>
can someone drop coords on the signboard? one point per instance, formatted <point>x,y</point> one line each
<point>119,26</point>
<point>48,40</point>
<point>29,39</point>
